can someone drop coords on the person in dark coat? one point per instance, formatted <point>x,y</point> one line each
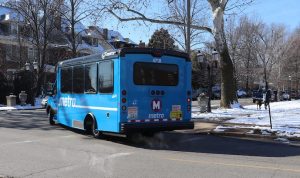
<point>267,98</point>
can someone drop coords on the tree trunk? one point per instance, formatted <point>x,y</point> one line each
<point>228,84</point>
<point>73,33</point>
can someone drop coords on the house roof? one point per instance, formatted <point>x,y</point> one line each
<point>114,36</point>
<point>79,27</point>
<point>9,14</point>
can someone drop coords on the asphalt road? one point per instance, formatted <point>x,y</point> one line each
<point>29,147</point>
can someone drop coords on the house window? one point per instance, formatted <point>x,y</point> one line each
<point>9,52</point>
<point>13,28</point>
<point>79,39</point>
<point>32,54</point>
<point>95,42</point>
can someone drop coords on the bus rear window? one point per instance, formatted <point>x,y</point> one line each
<point>146,73</point>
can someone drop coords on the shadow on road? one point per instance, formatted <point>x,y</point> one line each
<point>26,120</point>
<point>174,141</point>
<point>171,141</point>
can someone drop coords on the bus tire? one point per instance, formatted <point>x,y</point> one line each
<point>50,117</point>
<point>95,132</point>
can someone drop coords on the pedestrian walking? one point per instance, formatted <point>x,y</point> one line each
<point>267,98</point>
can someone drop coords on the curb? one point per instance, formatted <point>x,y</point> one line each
<point>227,123</point>
<point>233,132</point>
<point>239,134</point>
<point>14,109</point>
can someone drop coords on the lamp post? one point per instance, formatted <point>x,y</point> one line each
<point>211,59</point>
<point>290,79</point>
<point>32,68</point>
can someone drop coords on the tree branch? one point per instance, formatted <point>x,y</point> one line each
<point>142,17</point>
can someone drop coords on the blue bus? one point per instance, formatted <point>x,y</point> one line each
<point>123,91</point>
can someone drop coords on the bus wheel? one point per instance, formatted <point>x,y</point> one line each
<point>50,117</point>
<point>95,132</point>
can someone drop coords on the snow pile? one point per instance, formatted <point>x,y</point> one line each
<point>19,107</point>
<point>285,117</point>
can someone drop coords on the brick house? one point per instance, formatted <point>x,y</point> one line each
<point>16,49</point>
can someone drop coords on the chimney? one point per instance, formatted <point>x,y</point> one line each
<point>142,44</point>
<point>105,33</point>
<point>126,40</point>
<point>57,15</point>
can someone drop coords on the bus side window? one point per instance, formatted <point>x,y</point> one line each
<point>106,77</point>
<point>78,80</point>
<point>66,80</point>
<point>90,78</point>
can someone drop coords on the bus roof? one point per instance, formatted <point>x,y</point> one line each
<point>110,54</point>
<point>154,52</point>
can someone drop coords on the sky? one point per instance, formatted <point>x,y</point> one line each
<point>285,12</point>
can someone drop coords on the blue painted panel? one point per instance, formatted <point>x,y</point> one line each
<point>140,98</point>
<point>107,107</point>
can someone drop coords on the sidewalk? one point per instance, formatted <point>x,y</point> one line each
<point>19,107</point>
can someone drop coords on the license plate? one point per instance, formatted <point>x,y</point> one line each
<point>176,115</point>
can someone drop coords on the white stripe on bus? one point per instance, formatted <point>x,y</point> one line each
<point>97,108</point>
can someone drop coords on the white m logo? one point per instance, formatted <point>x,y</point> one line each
<point>156,105</point>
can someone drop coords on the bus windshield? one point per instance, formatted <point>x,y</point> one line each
<point>146,73</point>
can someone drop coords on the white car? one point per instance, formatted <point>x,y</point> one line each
<point>44,101</point>
<point>241,93</point>
<point>285,96</point>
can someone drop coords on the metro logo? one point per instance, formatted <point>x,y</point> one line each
<point>156,105</point>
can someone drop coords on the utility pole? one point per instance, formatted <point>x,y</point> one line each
<point>188,33</point>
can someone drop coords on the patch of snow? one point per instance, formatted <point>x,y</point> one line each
<point>10,14</point>
<point>90,49</point>
<point>236,105</point>
<point>283,140</point>
<point>265,132</point>
<point>250,132</point>
<point>219,129</point>
<point>285,117</point>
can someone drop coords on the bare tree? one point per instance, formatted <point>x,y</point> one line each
<point>178,12</point>
<point>270,48</point>
<point>130,12</point>
<point>290,63</point>
<point>242,44</point>
<point>72,13</point>
<point>38,16</point>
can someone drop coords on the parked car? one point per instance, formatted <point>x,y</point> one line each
<point>257,95</point>
<point>284,96</point>
<point>44,101</point>
<point>294,94</point>
<point>241,93</point>
<point>216,94</point>
<point>195,94</point>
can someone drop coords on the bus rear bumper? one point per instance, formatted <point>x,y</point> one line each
<point>155,127</point>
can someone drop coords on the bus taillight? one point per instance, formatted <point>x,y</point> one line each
<point>124,100</point>
<point>189,100</point>
<point>189,108</point>
<point>124,92</point>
